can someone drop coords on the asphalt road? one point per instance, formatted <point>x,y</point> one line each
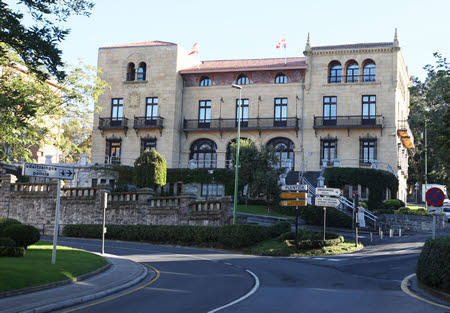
<point>201,280</point>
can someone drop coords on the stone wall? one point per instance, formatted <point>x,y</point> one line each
<point>35,204</point>
<point>412,223</point>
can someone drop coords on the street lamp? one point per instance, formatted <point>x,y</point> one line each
<point>236,170</point>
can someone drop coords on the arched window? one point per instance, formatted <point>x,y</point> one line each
<point>229,157</point>
<point>205,82</point>
<point>131,71</point>
<point>369,71</point>
<point>335,72</point>
<point>142,70</point>
<point>242,80</point>
<point>203,154</point>
<point>284,149</point>
<point>352,74</point>
<point>281,79</point>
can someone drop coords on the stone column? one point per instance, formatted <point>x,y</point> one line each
<point>6,181</point>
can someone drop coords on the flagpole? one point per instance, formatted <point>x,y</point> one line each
<point>284,53</point>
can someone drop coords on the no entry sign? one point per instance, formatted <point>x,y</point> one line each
<point>434,197</point>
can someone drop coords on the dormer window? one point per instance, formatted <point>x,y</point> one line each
<point>281,79</point>
<point>335,72</point>
<point>131,71</point>
<point>242,80</point>
<point>205,82</point>
<point>142,70</point>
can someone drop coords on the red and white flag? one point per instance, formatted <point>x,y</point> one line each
<point>194,49</point>
<point>281,43</point>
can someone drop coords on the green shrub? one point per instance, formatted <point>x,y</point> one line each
<point>230,236</point>
<point>408,211</point>
<point>313,215</point>
<point>5,222</point>
<point>433,265</point>
<point>363,204</point>
<point>150,169</point>
<point>287,236</point>
<point>393,204</point>
<point>23,235</point>
<point>383,211</point>
<point>12,251</point>
<point>7,242</point>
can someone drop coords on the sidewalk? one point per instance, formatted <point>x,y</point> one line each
<point>122,274</point>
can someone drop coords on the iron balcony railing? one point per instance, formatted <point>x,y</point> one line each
<point>349,121</point>
<point>112,123</point>
<point>148,122</point>
<point>337,79</point>
<point>249,124</point>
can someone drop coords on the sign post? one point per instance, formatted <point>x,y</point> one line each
<point>327,197</point>
<point>434,197</point>
<point>301,198</point>
<point>55,172</point>
<point>105,203</point>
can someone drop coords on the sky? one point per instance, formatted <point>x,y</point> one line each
<point>235,29</point>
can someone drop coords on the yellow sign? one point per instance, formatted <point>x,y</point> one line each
<point>294,203</point>
<point>293,195</point>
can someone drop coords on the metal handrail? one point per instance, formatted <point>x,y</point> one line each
<point>348,121</point>
<point>248,123</point>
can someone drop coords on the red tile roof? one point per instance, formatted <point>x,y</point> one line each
<point>142,44</point>
<point>246,65</point>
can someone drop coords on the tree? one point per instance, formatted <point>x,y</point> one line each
<point>37,44</point>
<point>257,169</point>
<point>151,169</point>
<point>429,102</point>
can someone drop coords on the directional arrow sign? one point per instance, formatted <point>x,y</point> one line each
<point>293,195</point>
<point>434,210</point>
<point>48,171</point>
<point>327,201</point>
<point>331,192</point>
<point>294,203</point>
<point>294,188</point>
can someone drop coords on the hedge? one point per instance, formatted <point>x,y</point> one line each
<point>393,204</point>
<point>5,222</point>
<point>23,235</point>
<point>408,211</point>
<point>12,251</point>
<point>313,215</point>
<point>7,242</point>
<point>433,265</point>
<point>376,180</point>
<point>313,240</point>
<point>230,236</point>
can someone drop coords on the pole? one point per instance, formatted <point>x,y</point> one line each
<point>296,227</point>
<point>105,204</point>
<point>356,218</point>
<point>55,232</point>
<point>434,228</point>
<point>236,171</point>
<point>426,163</point>
<point>324,221</point>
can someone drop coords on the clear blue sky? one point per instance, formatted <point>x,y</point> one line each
<point>249,29</point>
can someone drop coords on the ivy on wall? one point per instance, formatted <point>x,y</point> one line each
<point>223,176</point>
<point>376,180</point>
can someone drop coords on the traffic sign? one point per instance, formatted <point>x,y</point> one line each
<point>331,192</point>
<point>294,188</point>
<point>302,202</point>
<point>434,196</point>
<point>293,195</point>
<point>327,201</point>
<point>48,171</point>
<point>434,210</point>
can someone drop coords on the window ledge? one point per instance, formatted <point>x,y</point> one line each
<point>377,82</point>
<point>132,82</point>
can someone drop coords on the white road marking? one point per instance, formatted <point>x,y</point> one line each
<point>248,294</point>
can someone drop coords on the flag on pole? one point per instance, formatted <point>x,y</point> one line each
<point>281,44</point>
<point>194,49</point>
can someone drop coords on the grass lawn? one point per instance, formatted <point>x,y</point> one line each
<point>415,207</point>
<point>260,210</point>
<point>275,247</point>
<point>35,267</point>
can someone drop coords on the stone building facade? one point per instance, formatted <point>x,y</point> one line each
<point>343,105</point>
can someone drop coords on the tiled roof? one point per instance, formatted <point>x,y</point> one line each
<point>143,44</point>
<point>355,46</point>
<point>246,65</point>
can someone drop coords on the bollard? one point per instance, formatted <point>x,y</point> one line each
<point>268,211</point>
<point>379,231</point>
<point>391,233</point>
<point>399,232</point>
<point>371,238</point>
<point>381,234</point>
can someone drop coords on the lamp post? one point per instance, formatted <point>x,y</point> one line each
<point>236,170</point>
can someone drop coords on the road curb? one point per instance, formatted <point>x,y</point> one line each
<point>7,294</point>
<point>432,291</point>
<point>101,294</point>
<point>408,281</point>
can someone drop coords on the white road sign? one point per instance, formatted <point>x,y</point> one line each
<point>435,210</point>
<point>48,171</point>
<point>327,201</point>
<point>331,192</point>
<point>294,188</point>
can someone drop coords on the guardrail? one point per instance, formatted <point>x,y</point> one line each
<point>249,123</point>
